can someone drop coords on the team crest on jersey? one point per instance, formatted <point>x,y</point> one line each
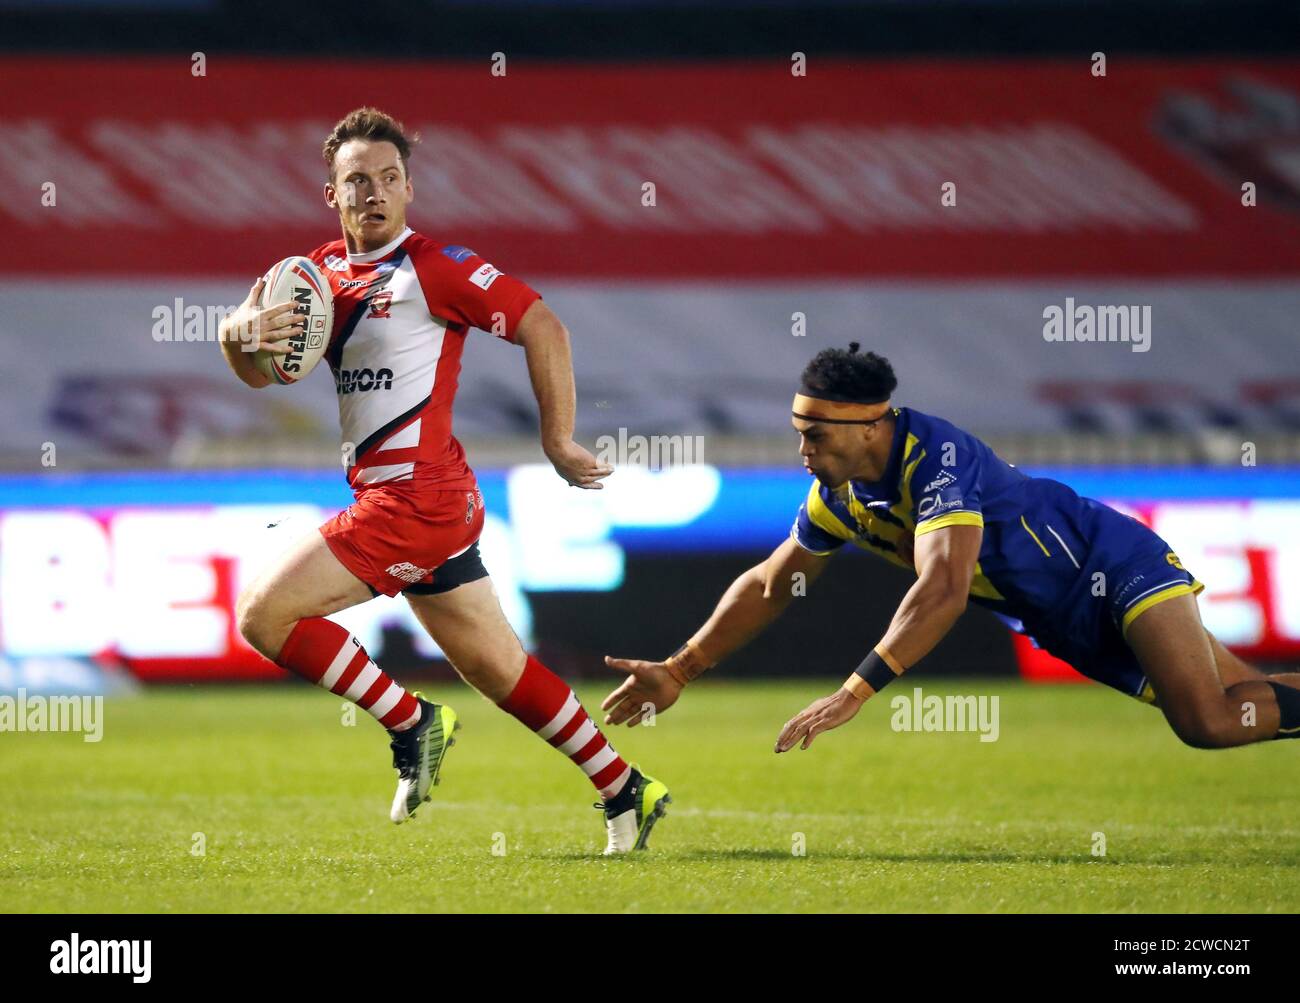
<point>336,264</point>
<point>457,253</point>
<point>484,276</point>
<point>380,303</point>
<point>407,572</point>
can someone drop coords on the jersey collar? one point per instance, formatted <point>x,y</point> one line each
<point>383,252</point>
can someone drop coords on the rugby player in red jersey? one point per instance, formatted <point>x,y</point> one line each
<point>403,306</point>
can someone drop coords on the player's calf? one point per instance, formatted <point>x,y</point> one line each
<point>319,650</point>
<point>1179,659</point>
<point>1207,724</point>
<point>1248,712</point>
<point>468,624</point>
<point>324,653</point>
<point>546,705</point>
<point>282,615</point>
<point>632,803</point>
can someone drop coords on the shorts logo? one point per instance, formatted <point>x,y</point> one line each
<point>939,483</point>
<point>408,573</point>
<point>336,264</point>
<point>484,276</point>
<point>380,303</point>
<point>1172,558</point>
<point>469,507</point>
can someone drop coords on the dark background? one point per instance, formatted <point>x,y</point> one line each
<point>632,30</point>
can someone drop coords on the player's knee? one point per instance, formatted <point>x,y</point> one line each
<point>1204,726</point>
<point>499,664</point>
<point>492,672</point>
<point>254,622</point>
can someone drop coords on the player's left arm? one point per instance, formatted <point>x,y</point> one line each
<point>460,286</point>
<point>545,340</point>
<point>945,563</point>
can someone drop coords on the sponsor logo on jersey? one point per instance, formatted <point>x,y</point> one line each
<point>457,253</point>
<point>348,381</point>
<point>384,267</point>
<point>484,276</point>
<point>407,572</point>
<point>1121,594</point>
<point>336,264</point>
<point>380,303</point>
<point>353,283</point>
<point>932,506</point>
<point>940,482</point>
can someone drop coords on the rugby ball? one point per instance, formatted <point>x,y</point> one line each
<point>299,281</point>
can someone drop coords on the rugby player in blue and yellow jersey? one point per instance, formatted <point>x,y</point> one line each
<point>1094,587</point>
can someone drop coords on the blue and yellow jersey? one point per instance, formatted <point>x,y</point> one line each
<point>1050,562</point>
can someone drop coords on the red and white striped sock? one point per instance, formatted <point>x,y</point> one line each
<point>324,653</point>
<point>544,703</point>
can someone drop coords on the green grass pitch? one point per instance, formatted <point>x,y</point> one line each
<point>292,807</point>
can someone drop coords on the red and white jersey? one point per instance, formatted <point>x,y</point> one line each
<point>401,314</point>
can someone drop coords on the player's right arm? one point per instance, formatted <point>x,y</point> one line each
<point>753,601</point>
<point>251,327</point>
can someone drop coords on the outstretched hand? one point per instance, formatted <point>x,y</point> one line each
<point>820,715</point>
<point>648,690</point>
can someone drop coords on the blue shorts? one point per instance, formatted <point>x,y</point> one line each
<point>1127,570</point>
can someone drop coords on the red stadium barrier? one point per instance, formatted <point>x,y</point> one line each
<point>757,173</point>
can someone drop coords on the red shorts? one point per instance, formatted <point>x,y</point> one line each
<point>396,535</point>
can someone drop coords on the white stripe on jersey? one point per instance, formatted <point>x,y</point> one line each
<point>386,472</point>
<point>389,363</point>
<point>409,436</point>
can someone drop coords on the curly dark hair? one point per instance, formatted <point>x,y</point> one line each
<point>836,374</point>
